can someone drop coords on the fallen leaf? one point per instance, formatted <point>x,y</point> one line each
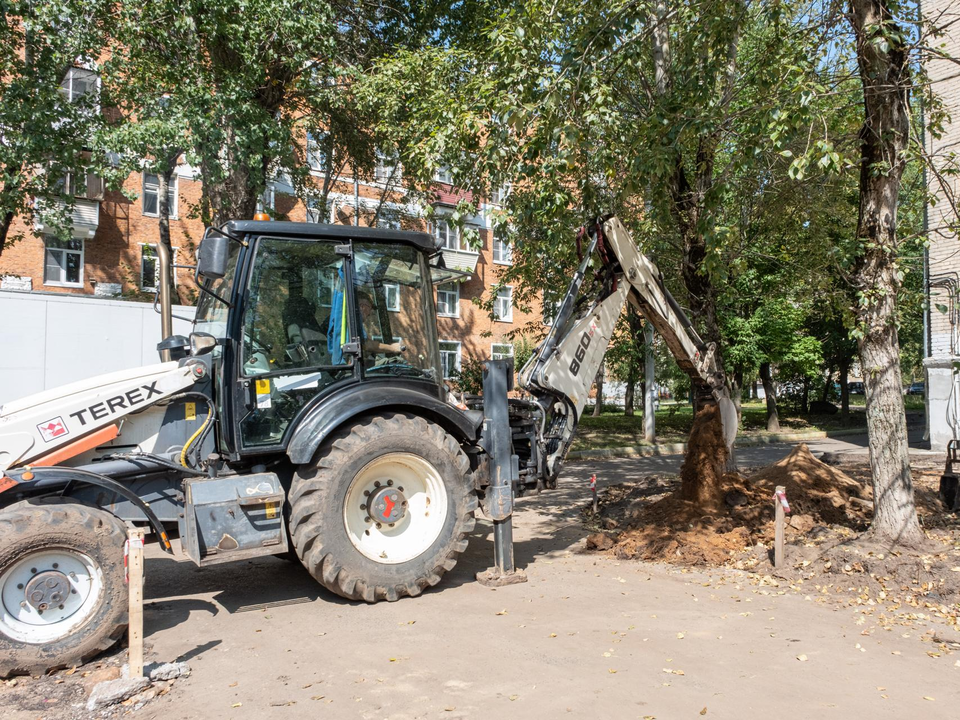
<point>704,711</point>
<point>802,658</point>
<point>237,704</point>
<point>680,636</point>
<point>502,612</point>
<point>611,671</point>
<point>318,697</point>
<point>927,697</point>
<point>514,697</point>
<point>450,708</point>
<point>553,634</point>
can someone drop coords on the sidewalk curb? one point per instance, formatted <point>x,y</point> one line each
<point>678,448</point>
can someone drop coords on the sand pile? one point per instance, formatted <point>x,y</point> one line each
<point>683,531</point>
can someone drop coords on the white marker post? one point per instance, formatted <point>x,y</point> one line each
<point>782,507</point>
<point>134,553</point>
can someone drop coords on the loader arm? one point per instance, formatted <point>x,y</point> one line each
<point>34,427</point>
<point>562,368</point>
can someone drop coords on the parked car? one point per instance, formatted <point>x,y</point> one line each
<point>917,388</point>
<point>855,388</point>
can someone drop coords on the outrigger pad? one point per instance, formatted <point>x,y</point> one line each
<point>493,577</point>
<point>728,416</point>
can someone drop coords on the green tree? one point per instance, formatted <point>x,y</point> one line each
<point>49,109</point>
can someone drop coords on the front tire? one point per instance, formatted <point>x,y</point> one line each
<point>385,509</point>
<point>62,590</point>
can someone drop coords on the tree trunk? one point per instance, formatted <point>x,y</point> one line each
<point>598,405</point>
<point>753,388</point>
<point>736,389</point>
<point>629,392</point>
<point>5,224</point>
<point>885,77</point>
<point>844,372</point>
<point>773,418</point>
<point>805,396</point>
<point>164,256</point>
<point>825,395</point>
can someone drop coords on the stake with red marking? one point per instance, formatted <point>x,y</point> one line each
<point>593,490</point>
<point>781,506</point>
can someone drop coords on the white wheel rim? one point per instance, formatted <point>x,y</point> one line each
<point>420,485</point>
<point>22,621</point>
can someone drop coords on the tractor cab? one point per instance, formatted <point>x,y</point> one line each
<point>305,312</point>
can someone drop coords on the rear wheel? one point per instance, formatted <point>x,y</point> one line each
<point>62,592</point>
<point>385,509</point>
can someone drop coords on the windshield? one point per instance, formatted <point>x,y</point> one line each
<point>211,314</point>
<point>394,297</point>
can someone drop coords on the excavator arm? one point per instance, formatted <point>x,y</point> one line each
<point>562,368</point>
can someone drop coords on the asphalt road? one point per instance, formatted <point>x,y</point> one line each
<point>586,637</point>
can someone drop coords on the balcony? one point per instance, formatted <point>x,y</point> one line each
<point>84,219</point>
<point>464,260</point>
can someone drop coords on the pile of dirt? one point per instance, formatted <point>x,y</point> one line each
<point>678,530</point>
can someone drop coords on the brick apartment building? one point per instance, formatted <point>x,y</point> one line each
<point>942,326</point>
<point>112,251</point>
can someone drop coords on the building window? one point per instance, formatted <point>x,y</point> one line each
<point>447,234</point>
<point>449,358</point>
<point>151,190</point>
<point>267,202</point>
<point>502,249</point>
<point>150,266</point>
<point>77,83</point>
<point>501,351</point>
<point>550,310</point>
<point>391,292</point>
<point>498,195</point>
<point>443,175</point>
<point>387,168</point>
<point>63,262</point>
<point>317,157</point>
<point>503,304</point>
<point>448,300</point>
<point>317,213</point>
<point>73,184</point>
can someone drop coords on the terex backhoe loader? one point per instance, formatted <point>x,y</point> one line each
<point>307,408</point>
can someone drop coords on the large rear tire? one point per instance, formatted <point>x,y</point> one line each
<point>385,509</point>
<point>62,591</point>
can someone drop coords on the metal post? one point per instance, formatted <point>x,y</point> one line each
<point>504,471</point>
<point>356,199</point>
<point>166,305</point>
<point>649,398</point>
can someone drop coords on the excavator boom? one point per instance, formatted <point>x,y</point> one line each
<point>562,368</point>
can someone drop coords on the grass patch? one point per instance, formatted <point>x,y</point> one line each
<point>614,429</point>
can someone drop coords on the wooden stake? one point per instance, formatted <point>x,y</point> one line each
<point>778,528</point>
<point>135,589</point>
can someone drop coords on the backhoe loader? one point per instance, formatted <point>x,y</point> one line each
<point>306,412</point>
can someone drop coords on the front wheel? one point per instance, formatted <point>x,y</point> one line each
<point>385,509</point>
<point>62,592</point>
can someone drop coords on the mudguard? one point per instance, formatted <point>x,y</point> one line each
<point>377,397</point>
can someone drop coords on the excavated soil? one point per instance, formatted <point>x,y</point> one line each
<point>826,542</point>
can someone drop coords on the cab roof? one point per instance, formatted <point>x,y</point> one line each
<point>420,240</point>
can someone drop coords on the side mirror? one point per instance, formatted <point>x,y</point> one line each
<point>201,343</point>
<point>212,258</point>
